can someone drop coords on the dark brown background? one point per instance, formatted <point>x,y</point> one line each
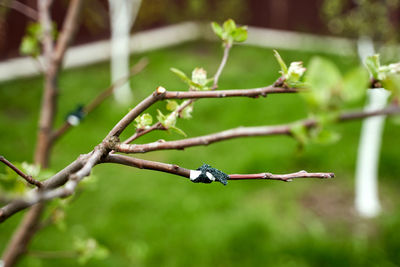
<point>279,14</point>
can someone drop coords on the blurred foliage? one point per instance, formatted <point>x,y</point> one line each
<point>153,12</point>
<point>372,18</point>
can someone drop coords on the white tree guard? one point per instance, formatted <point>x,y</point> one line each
<point>122,15</point>
<point>367,197</point>
<point>366,188</point>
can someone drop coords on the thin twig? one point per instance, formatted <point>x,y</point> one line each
<point>147,164</point>
<point>21,8</point>
<point>282,177</point>
<point>52,254</point>
<point>140,132</point>
<point>27,178</point>
<point>227,48</point>
<point>69,28</point>
<point>254,92</point>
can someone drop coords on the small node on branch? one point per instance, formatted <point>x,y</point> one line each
<point>111,142</point>
<point>280,82</point>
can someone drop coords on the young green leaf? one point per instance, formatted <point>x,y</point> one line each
<point>240,34</point>
<point>143,121</point>
<point>217,29</point>
<point>294,74</point>
<point>300,133</point>
<point>229,26</point>
<point>199,76</point>
<point>373,65</point>
<point>29,46</point>
<point>187,112</point>
<point>323,78</point>
<point>161,117</point>
<point>10,182</point>
<point>89,249</point>
<point>177,130</point>
<point>147,119</point>
<point>170,120</point>
<point>181,75</point>
<point>34,30</point>
<point>30,169</point>
<point>392,83</point>
<point>171,105</point>
<point>284,69</point>
<point>355,84</point>
<point>325,137</point>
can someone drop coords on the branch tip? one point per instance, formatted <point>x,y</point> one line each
<point>160,90</point>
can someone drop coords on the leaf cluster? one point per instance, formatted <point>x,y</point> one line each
<point>229,32</point>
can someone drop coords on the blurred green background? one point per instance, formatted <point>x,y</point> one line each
<point>147,218</point>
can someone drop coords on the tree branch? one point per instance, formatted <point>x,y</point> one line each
<point>284,129</point>
<point>53,254</point>
<point>140,132</point>
<point>68,31</point>
<point>49,98</point>
<point>282,177</point>
<point>161,94</point>
<point>21,8</point>
<point>254,92</point>
<point>27,178</point>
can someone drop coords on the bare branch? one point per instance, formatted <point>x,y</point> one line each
<point>254,92</point>
<point>49,98</point>
<point>46,24</point>
<point>282,177</point>
<point>148,165</point>
<point>284,129</point>
<point>136,111</point>
<point>53,254</point>
<point>24,233</point>
<point>27,178</point>
<point>69,27</point>
<point>21,8</point>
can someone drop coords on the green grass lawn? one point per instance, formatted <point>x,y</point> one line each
<point>146,218</point>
